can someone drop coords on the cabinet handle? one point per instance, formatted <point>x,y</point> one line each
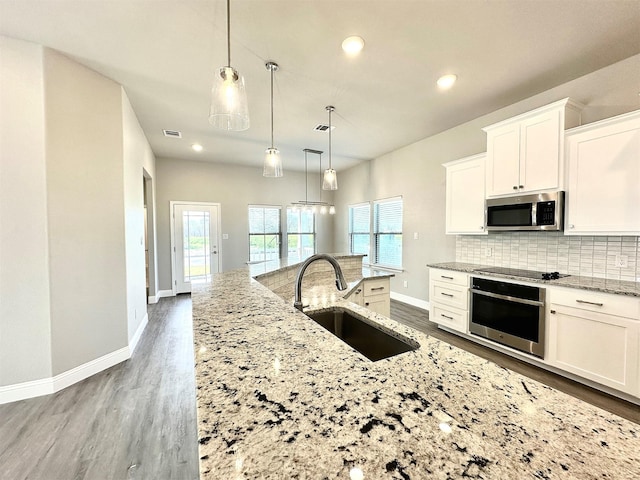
<point>552,311</point>
<point>377,288</point>
<point>520,186</point>
<point>591,303</point>
<point>446,294</point>
<point>448,278</point>
<point>446,316</point>
<point>481,227</point>
<point>366,304</point>
<point>358,291</point>
<point>515,187</point>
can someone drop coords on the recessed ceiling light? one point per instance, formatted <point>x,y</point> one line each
<point>197,147</point>
<point>353,45</point>
<point>447,81</point>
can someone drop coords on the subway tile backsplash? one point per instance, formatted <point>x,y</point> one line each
<point>553,251</point>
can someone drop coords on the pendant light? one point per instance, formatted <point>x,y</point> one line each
<point>330,181</point>
<point>306,204</point>
<point>229,109</point>
<point>272,160</point>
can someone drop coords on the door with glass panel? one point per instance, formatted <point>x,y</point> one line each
<point>196,244</point>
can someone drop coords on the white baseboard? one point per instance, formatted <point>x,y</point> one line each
<point>416,302</point>
<point>47,386</point>
<point>165,293</point>
<point>133,343</point>
<point>151,299</point>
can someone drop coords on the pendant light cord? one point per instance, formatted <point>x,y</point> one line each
<point>272,68</point>
<point>228,34</point>
<point>330,110</point>
<point>306,181</point>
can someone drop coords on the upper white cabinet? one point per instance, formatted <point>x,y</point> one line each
<point>603,177</point>
<point>465,195</point>
<point>525,153</point>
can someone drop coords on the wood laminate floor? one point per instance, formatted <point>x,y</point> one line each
<point>137,420</point>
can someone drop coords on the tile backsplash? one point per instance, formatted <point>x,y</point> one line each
<point>553,251</point>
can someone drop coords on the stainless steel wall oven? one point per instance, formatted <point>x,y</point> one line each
<point>508,313</point>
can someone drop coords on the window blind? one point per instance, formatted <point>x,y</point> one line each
<point>387,221</point>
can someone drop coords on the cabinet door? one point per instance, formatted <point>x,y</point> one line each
<point>604,179</point>
<point>601,348</point>
<point>465,196</point>
<point>540,152</point>
<point>503,157</point>
<point>379,303</point>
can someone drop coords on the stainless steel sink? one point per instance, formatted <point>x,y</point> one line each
<point>368,339</point>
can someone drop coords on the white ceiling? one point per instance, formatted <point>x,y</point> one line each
<point>165,53</point>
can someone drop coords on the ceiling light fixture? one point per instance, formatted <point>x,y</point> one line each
<point>229,109</point>
<point>330,181</point>
<point>446,81</point>
<point>307,204</point>
<point>353,45</point>
<point>272,161</point>
<point>196,147</point>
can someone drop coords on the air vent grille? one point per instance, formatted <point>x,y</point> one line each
<point>322,127</point>
<point>172,133</point>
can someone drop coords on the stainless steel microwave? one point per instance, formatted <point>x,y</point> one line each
<point>538,211</point>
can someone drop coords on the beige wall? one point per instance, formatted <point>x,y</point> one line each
<point>72,282</point>
<point>86,204</point>
<point>138,159</point>
<point>416,171</point>
<point>235,188</point>
<point>25,331</point>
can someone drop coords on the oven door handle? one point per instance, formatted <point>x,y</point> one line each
<point>508,298</point>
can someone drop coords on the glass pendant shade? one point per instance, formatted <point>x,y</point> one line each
<point>330,180</point>
<point>272,163</point>
<point>229,109</point>
<point>332,210</point>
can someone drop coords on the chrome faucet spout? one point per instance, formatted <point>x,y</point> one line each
<point>341,283</point>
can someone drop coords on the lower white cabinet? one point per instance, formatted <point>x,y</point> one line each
<point>374,294</point>
<point>449,299</point>
<point>596,336</point>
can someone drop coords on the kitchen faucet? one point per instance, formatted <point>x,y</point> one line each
<point>341,283</point>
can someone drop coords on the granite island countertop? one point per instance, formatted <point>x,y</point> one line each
<point>279,397</point>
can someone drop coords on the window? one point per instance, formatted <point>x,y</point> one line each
<point>387,231</point>
<point>360,229</point>
<point>301,233</point>
<point>264,233</point>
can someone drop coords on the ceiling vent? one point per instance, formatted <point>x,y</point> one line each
<point>321,127</point>
<point>172,133</point>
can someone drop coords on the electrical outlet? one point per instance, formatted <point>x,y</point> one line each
<point>622,261</point>
<point>406,284</point>
<point>488,252</point>
<point>225,236</point>
<point>415,235</point>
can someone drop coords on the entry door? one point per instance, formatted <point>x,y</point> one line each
<point>196,242</point>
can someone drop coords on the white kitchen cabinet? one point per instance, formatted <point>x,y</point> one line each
<point>377,295</point>
<point>465,196</point>
<point>526,153</point>
<point>374,294</point>
<point>449,299</point>
<point>596,336</point>
<point>603,177</point>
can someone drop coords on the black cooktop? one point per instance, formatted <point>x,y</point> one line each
<point>517,272</point>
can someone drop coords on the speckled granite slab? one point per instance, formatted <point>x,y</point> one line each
<point>617,287</point>
<point>279,397</point>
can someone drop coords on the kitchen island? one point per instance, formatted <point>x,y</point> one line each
<point>279,397</point>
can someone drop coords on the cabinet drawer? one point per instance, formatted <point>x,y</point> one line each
<point>450,317</point>
<point>449,276</point>
<point>606,303</point>
<point>452,295</point>
<point>376,287</point>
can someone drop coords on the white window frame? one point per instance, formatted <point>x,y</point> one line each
<point>351,233</point>
<point>278,234</point>
<point>299,232</point>
<point>375,233</point>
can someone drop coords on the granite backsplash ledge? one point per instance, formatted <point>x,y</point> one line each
<point>587,256</point>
